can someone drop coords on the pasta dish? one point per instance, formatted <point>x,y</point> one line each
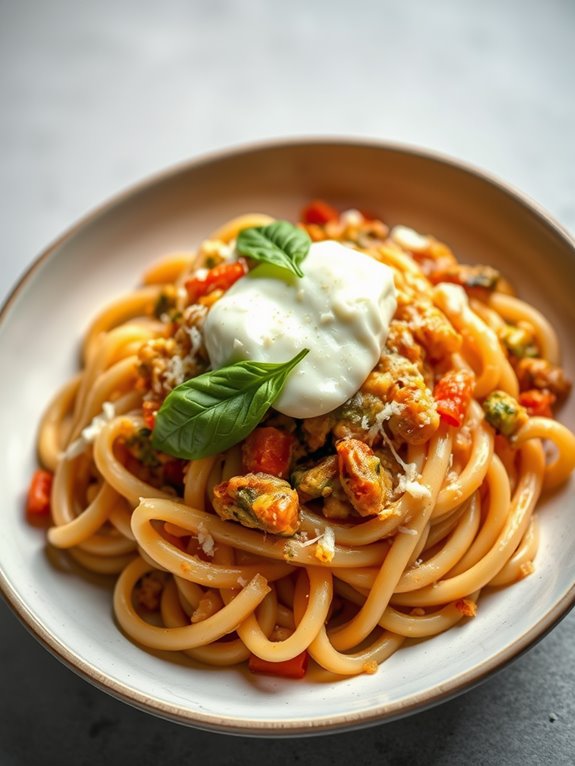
<point>313,441</point>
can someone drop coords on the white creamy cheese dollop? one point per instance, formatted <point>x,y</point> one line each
<point>340,310</point>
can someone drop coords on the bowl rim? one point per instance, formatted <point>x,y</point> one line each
<point>384,712</point>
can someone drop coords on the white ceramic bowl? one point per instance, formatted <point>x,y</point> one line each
<point>103,256</point>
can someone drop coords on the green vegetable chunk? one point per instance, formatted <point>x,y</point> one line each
<point>214,411</point>
<point>280,243</point>
<point>504,413</point>
<point>519,341</point>
<point>258,501</point>
<point>318,480</point>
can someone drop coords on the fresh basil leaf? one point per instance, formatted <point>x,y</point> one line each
<point>280,243</point>
<point>216,410</point>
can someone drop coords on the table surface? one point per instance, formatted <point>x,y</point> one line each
<point>96,96</point>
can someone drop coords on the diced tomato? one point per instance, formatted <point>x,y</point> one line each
<point>150,407</point>
<point>221,277</point>
<point>294,668</point>
<point>538,403</point>
<point>453,394</point>
<point>268,450</point>
<point>318,212</point>
<point>38,499</point>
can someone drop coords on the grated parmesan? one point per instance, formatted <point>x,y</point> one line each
<point>217,247</point>
<point>408,482</point>
<point>179,367</point>
<point>205,540</point>
<point>417,489</point>
<point>195,337</point>
<point>324,544</point>
<point>173,375</point>
<point>89,433</point>
<point>389,410</point>
<point>325,548</point>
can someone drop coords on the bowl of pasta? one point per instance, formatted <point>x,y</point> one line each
<point>290,452</point>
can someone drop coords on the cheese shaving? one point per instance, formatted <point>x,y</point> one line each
<point>205,540</point>
<point>89,433</point>
<point>396,454</point>
<point>389,410</point>
<point>324,544</point>
<point>306,543</point>
<point>218,248</point>
<point>325,548</point>
<point>408,482</point>
<point>195,340</point>
<point>174,373</point>
<point>417,489</point>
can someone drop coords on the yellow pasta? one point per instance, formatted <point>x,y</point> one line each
<point>407,499</point>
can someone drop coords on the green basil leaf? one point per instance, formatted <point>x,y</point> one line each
<point>216,410</point>
<point>280,243</point>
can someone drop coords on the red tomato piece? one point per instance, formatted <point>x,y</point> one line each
<point>538,403</point>
<point>453,394</point>
<point>268,450</point>
<point>38,499</point>
<point>221,277</point>
<point>294,668</point>
<point>319,213</point>
<point>149,410</point>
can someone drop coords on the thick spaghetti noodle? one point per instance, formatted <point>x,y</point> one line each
<point>410,498</point>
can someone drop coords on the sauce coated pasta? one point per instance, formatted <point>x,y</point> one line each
<point>257,507</point>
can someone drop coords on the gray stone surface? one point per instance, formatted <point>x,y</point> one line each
<point>94,96</point>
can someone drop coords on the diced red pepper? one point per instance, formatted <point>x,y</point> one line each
<point>538,403</point>
<point>38,499</point>
<point>294,668</point>
<point>453,394</point>
<point>318,212</point>
<point>221,277</point>
<point>268,450</point>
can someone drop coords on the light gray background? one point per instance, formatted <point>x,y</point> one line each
<point>95,96</point>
